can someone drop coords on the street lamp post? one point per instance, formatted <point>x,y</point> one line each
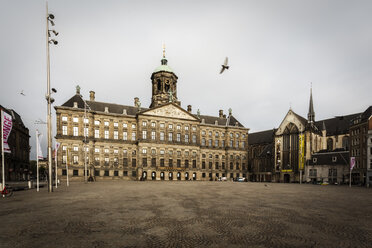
<point>49,19</point>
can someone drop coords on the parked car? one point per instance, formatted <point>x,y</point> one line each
<point>241,179</point>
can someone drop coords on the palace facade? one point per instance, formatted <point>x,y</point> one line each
<point>162,142</point>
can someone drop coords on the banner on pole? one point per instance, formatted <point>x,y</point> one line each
<point>352,162</point>
<point>301,152</point>
<point>40,153</point>
<point>7,128</point>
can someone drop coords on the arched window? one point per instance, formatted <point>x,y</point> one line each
<point>290,147</point>
<point>329,144</point>
<point>159,85</point>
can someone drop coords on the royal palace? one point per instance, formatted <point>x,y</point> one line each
<point>162,142</point>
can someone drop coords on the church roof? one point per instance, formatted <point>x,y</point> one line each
<point>261,137</point>
<point>337,125</point>
<point>330,158</point>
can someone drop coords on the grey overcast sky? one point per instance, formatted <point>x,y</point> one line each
<point>275,49</point>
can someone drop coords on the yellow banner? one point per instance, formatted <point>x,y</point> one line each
<point>301,152</point>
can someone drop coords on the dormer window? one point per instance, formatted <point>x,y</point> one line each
<point>315,160</point>
<point>334,159</point>
<point>75,105</point>
<point>106,110</point>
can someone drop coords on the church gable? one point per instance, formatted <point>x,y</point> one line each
<point>293,118</point>
<point>170,110</point>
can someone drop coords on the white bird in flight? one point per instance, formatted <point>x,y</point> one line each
<point>225,66</point>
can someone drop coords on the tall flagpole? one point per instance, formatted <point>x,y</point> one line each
<point>55,157</point>
<point>37,160</point>
<point>67,182</point>
<point>2,151</point>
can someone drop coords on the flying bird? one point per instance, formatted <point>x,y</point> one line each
<point>224,66</point>
<point>23,94</point>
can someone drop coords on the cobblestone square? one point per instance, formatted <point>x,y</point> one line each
<point>187,214</point>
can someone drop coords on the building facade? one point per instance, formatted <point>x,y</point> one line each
<point>17,163</point>
<point>304,149</point>
<point>162,142</point>
<point>360,134</point>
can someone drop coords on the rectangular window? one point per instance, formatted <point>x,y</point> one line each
<point>76,159</point>
<point>133,136</point>
<point>76,148</point>
<point>210,142</point>
<point>186,138</point>
<point>125,135</point>
<point>203,142</point>
<point>134,173</point>
<point>186,163</point>
<point>144,123</point>
<point>75,119</point>
<point>106,123</point>
<point>106,150</point>
<point>75,173</point>
<point>170,126</point>
<point>178,127</point>
<point>178,163</point>
<point>96,122</point>
<point>170,136</point>
<point>203,165</point>
<point>106,134</point>
<point>96,133</point>
<point>217,165</point>
<point>153,135</point>
<point>210,165</point>
<point>231,143</point>
<point>76,131</point>
<point>125,173</point>
<point>116,173</point>
<point>178,137</point>
<point>64,148</point>
<point>186,128</point>
<point>116,134</point>
<point>161,135</point>
<point>86,133</point>
<point>153,151</point>
<point>96,150</point>
<point>64,118</point>
<point>144,134</point>
<point>125,162</point>
<point>223,165</point>
<point>194,164</point>
<point>243,144</point>
<point>170,164</point>
<point>133,126</point>
<point>116,151</point>
<point>64,159</point>
<point>144,151</point>
<point>144,162</point>
<point>133,162</point>
<point>64,130</point>
<point>153,124</point>
<point>125,125</point>
<point>153,162</point>
<point>162,162</point>
<point>194,138</point>
<point>237,144</point>
<point>216,143</point>
<point>116,124</point>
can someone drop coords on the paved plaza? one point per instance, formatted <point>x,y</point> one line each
<point>187,214</point>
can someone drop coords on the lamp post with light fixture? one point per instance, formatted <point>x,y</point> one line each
<point>50,100</point>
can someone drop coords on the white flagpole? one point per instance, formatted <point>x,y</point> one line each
<point>55,157</point>
<point>67,167</point>
<point>37,160</point>
<point>2,151</point>
<point>350,178</point>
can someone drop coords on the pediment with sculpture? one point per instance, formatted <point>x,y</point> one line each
<point>171,111</point>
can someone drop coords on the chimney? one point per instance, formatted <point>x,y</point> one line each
<point>136,99</point>
<point>92,95</point>
<point>189,108</point>
<point>220,112</point>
